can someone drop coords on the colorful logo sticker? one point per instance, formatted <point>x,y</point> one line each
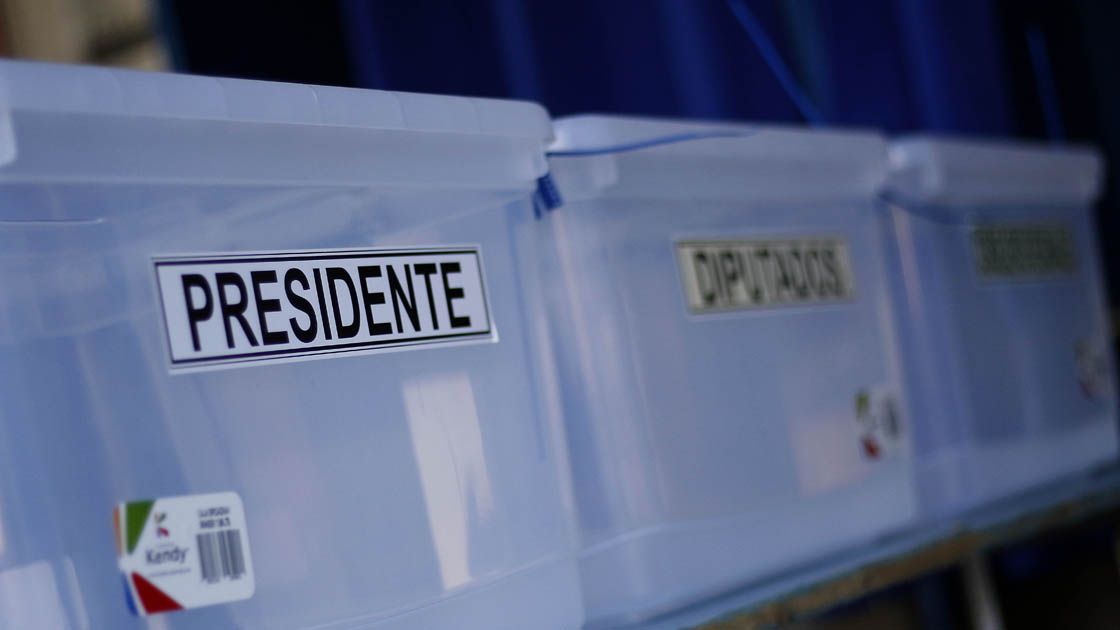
<point>880,428</point>
<point>183,552</point>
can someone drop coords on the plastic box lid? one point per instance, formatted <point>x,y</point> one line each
<point>943,171</point>
<point>760,161</point>
<point>193,127</point>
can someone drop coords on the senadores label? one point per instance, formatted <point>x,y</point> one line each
<point>728,275</point>
<point>1023,251</point>
<point>223,310</point>
<point>183,552</point>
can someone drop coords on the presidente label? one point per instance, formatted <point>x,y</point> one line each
<point>730,275</point>
<point>223,310</point>
<point>1023,251</point>
<point>183,552</point>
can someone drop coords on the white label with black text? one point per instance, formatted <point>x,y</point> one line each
<point>223,310</point>
<point>728,275</point>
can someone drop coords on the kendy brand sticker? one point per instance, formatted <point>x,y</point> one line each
<point>183,552</point>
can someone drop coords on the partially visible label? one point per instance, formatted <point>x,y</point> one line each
<point>236,309</point>
<point>1006,252</point>
<point>184,552</point>
<point>746,274</point>
<point>1093,372</point>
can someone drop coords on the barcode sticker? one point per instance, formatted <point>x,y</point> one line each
<point>220,555</point>
<point>183,552</point>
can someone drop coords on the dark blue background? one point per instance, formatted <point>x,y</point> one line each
<point>949,66</point>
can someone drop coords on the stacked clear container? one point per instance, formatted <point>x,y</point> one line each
<point>721,430</point>
<point>413,489</point>
<point>1000,294</point>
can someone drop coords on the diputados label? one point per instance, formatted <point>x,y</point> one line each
<point>223,310</point>
<point>728,275</point>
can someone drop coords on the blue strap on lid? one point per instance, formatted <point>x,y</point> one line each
<point>656,141</point>
<point>547,196</point>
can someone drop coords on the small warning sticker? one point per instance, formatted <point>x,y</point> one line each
<point>183,552</point>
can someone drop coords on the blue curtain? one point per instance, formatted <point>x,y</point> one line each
<point>981,67</point>
<point>894,64</point>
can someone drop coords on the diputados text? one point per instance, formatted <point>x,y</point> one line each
<point>225,309</point>
<point>743,274</point>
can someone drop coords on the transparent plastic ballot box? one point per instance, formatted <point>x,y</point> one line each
<point>1004,317</point>
<point>730,384</point>
<point>263,356</point>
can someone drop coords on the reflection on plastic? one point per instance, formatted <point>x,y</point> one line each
<point>821,466</point>
<point>447,443</point>
<point>30,598</point>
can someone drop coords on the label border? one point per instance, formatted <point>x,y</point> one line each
<point>241,359</point>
